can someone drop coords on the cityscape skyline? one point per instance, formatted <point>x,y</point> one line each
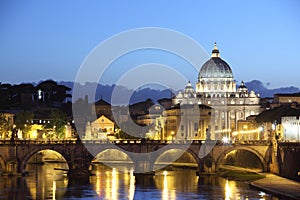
<point>149,99</point>
<point>46,40</point>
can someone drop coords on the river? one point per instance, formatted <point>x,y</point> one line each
<point>44,182</point>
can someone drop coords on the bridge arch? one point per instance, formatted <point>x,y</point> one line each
<point>99,150</point>
<point>23,163</point>
<point>260,157</point>
<point>188,151</point>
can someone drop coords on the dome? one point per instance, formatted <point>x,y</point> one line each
<point>215,67</point>
<point>242,86</point>
<point>189,88</point>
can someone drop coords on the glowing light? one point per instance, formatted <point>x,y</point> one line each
<point>131,185</point>
<point>34,134</point>
<point>54,190</point>
<point>98,184</point>
<point>223,131</point>
<point>225,139</point>
<point>247,131</point>
<point>165,191</point>
<point>262,194</point>
<point>114,184</point>
<point>228,191</point>
<point>165,173</point>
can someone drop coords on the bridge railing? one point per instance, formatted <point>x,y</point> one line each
<point>253,142</point>
<point>289,144</point>
<point>24,142</point>
<point>134,141</point>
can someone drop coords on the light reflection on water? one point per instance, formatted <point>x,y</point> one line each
<point>45,183</point>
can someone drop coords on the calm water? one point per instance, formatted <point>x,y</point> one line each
<point>119,183</point>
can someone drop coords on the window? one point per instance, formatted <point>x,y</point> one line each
<point>232,115</point>
<point>182,127</point>
<point>196,126</point>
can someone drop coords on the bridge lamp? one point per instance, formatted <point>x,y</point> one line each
<point>172,134</point>
<point>225,140</point>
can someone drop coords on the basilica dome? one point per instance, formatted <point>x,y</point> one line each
<point>215,67</point>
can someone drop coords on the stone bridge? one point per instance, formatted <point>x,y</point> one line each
<point>14,155</point>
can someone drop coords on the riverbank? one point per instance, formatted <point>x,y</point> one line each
<point>240,175</point>
<point>270,183</point>
<point>279,186</point>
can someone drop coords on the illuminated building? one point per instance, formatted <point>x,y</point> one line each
<point>291,128</point>
<point>9,118</point>
<point>103,108</point>
<point>101,128</point>
<point>175,125</point>
<point>217,89</point>
<point>286,99</point>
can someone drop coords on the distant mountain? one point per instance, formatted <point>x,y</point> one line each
<point>258,87</point>
<point>106,91</point>
<point>123,94</point>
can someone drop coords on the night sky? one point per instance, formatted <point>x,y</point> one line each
<point>42,40</point>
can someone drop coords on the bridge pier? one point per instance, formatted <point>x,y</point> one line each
<point>143,168</point>
<point>80,161</point>
<point>143,165</point>
<point>208,166</point>
<point>79,172</point>
<point>11,164</point>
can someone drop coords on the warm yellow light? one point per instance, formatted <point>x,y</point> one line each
<point>223,130</point>
<point>228,191</point>
<point>114,184</point>
<point>34,134</point>
<point>165,191</point>
<point>165,173</point>
<point>54,190</point>
<point>249,131</point>
<point>131,185</point>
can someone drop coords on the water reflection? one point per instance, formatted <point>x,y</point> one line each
<point>113,184</point>
<point>44,182</point>
<point>13,188</point>
<point>167,191</point>
<point>228,191</point>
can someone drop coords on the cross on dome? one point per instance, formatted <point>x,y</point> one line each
<point>215,52</point>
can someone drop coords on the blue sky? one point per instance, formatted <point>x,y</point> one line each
<point>50,39</point>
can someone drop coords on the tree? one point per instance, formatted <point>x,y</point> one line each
<point>58,123</point>
<point>23,122</point>
<point>127,130</point>
<point>275,114</point>
<point>52,92</point>
<point>5,96</point>
<point>4,126</point>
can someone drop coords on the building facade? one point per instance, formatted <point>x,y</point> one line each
<point>217,89</point>
<point>290,128</point>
